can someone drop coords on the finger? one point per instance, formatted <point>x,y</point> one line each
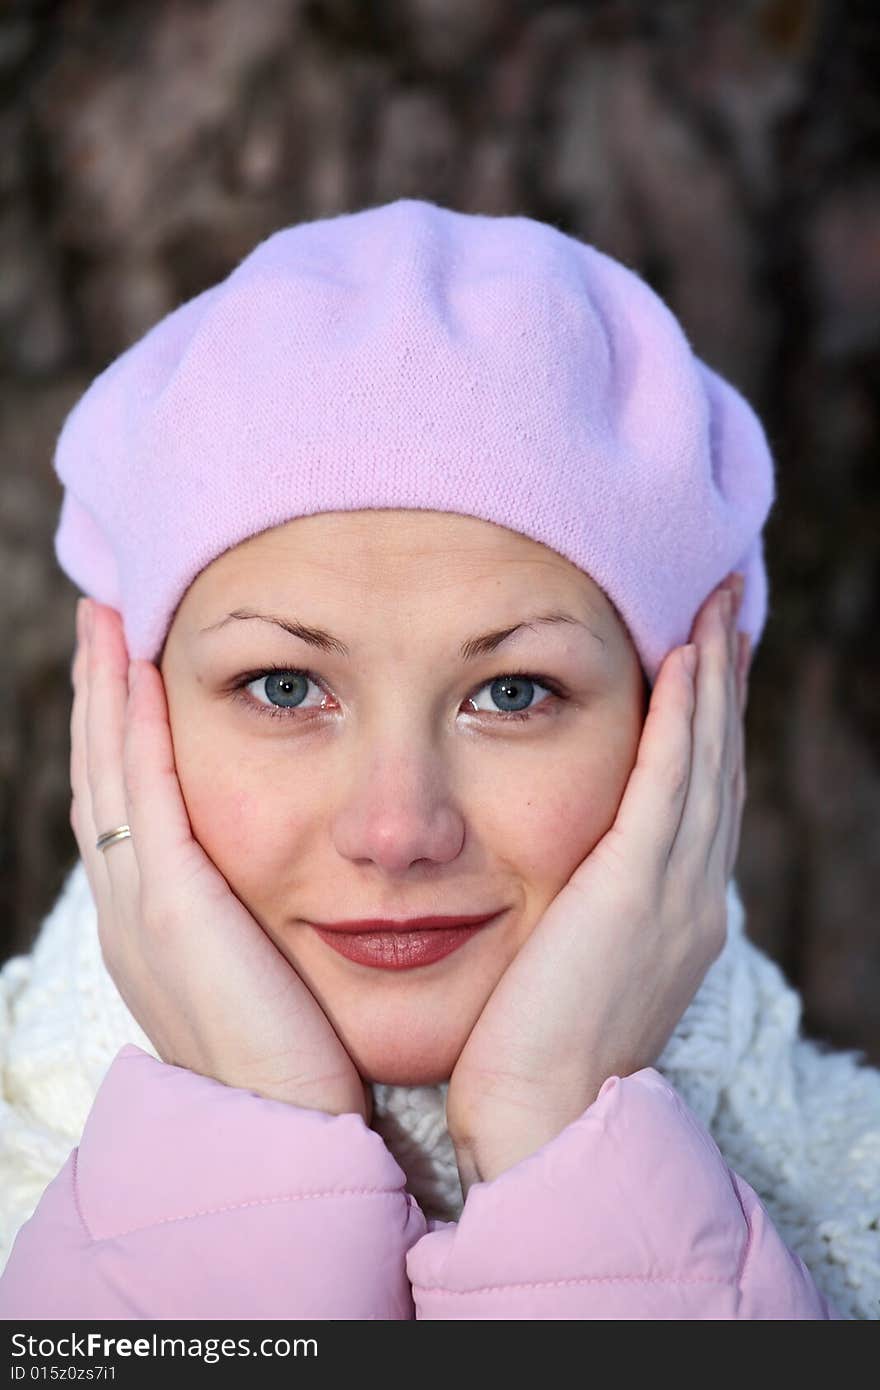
<point>743,648</point>
<point>745,655</point>
<point>701,819</point>
<point>81,817</point>
<point>105,726</point>
<point>722,852</point>
<point>155,808</point>
<point>739,780</point>
<point>649,814</point>
<point>80,797</point>
<point>718,846</point>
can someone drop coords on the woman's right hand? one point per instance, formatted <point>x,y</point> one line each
<point>204,981</point>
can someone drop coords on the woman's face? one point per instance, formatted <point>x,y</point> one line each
<point>391,780</point>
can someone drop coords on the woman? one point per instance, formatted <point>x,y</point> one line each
<point>404,546</point>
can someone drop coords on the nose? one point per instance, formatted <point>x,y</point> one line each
<point>399,810</point>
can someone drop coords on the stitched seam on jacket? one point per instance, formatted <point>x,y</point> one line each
<point>563,1283</point>
<point>240,1206</point>
<point>77,1203</point>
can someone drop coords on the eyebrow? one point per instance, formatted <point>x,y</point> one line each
<point>483,645</point>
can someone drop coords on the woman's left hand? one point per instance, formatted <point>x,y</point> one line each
<point>598,987</point>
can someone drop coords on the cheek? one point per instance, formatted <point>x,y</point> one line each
<point>246,817</point>
<point>547,815</point>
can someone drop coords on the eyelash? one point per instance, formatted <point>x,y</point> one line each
<point>278,711</point>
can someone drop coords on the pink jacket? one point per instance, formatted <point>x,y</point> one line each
<point>190,1199</point>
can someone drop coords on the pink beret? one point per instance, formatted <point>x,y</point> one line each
<point>408,355</point>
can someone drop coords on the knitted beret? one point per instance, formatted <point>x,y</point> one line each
<point>412,356</point>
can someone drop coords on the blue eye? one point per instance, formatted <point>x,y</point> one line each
<point>514,689</point>
<point>286,690</point>
<point>285,685</point>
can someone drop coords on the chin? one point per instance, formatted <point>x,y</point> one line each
<point>399,1074</point>
<point>405,1037</point>
<point>402,1067</point>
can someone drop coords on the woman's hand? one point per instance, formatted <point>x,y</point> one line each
<point>598,987</point>
<point>204,981</point>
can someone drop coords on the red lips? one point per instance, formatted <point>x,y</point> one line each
<point>409,924</point>
<point>406,946</point>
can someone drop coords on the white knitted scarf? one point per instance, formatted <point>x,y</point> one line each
<point>799,1122</point>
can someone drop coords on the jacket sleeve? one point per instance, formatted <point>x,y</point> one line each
<point>630,1213</point>
<point>186,1198</point>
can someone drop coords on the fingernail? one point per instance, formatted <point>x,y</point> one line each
<point>89,617</point>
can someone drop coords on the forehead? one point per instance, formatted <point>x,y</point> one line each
<point>390,552</point>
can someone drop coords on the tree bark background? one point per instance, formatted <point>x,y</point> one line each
<point>728,152</point>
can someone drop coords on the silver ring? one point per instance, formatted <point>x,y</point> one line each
<point>122,832</point>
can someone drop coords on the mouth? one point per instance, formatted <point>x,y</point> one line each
<point>402,946</point>
<point>359,925</point>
